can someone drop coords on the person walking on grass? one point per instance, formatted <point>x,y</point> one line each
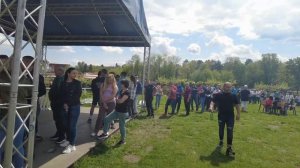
<point>226,102</point>
<point>120,113</point>
<point>71,91</point>
<point>194,98</point>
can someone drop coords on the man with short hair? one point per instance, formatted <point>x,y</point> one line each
<point>56,104</point>
<point>225,102</point>
<point>95,86</point>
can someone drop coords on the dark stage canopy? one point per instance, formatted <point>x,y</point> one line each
<point>89,23</point>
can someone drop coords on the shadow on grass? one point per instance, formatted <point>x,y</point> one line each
<point>100,149</point>
<point>216,157</point>
<point>164,117</point>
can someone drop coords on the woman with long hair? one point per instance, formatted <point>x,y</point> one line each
<point>120,113</point>
<point>71,90</point>
<point>108,92</point>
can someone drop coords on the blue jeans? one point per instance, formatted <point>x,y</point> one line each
<point>17,159</point>
<point>173,105</point>
<point>157,101</point>
<point>122,120</point>
<point>202,102</point>
<point>72,118</point>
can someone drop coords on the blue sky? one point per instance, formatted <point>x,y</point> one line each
<point>204,29</point>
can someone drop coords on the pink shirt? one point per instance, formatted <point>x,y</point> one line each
<point>173,91</point>
<point>108,93</point>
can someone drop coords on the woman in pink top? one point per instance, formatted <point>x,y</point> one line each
<point>108,92</point>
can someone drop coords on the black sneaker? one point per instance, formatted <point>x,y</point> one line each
<point>103,136</point>
<point>220,144</point>
<point>60,141</point>
<point>121,142</point>
<point>54,137</point>
<point>230,152</point>
<point>89,120</point>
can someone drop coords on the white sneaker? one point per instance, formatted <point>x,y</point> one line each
<point>69,149</point>
<point>93,134</point>
<point>64,144</point>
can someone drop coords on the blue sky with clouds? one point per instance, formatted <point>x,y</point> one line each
<point>204,29</point>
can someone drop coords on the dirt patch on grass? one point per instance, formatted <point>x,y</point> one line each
<point>149,149</point>
<point>132,158</point>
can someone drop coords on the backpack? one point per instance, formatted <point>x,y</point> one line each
<point>139,88</point>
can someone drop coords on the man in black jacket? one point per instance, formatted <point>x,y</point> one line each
<point>55,98</point>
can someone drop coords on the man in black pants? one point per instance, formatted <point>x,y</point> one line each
<point>55,98</point>
<point>226,102</point>
<point>149,93</point>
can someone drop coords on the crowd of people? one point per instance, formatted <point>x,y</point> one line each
<point>198,97</point>
<point>117,98</point>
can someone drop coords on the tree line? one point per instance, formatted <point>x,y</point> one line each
<point>269,71</point>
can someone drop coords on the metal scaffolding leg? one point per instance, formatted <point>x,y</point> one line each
<point>14,86</point>
<point>14,33</point>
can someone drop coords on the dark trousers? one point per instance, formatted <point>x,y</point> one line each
<point>229,122</point>
<point>194,99</point>
<point>172,103</point>
<point>149,106</point>
<point>207,102</point>
<point>178,102</point>
<point>130,108</point>
<point>59,119</point>
<point>187,106</point>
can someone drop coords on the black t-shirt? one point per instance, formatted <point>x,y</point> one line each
<point>245,95</point>
<point>225,103</point>
<point>123,107</point>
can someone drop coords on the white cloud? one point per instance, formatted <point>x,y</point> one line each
<point>276,20</point>
<point>115,50</point>
<point>194,48</point>
<point>230,49</point>
<point>64,49</point>
<point>163,45</point>
<point>137,51</point>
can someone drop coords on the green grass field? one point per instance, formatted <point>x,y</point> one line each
<point>260,140</point>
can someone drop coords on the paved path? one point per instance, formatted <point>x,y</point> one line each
<point>49,155</point>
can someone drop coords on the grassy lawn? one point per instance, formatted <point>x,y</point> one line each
<point>260,140</point>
